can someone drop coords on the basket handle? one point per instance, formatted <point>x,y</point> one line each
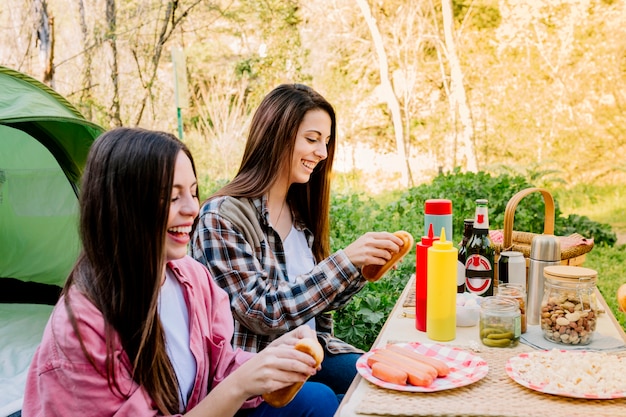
<point>509,214</point>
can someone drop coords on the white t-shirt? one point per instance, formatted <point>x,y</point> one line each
<point>299,257</point>
<point>172,312</point>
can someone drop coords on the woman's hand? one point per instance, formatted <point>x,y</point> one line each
<point>278,365</point>
<point>290,338</point>
<point>373,248</point>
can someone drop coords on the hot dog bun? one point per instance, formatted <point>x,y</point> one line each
<point>375,272</point>
<point>283,396</point>
<point>621,298</point>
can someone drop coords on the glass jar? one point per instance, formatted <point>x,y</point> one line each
<point>569,310</point>
<point>518,293</point>
<point>500,322</point>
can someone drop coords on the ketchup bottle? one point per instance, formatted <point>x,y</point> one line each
<point>421,260</point>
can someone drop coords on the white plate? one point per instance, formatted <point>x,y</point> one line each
<point>576,374</point>
<point>465,367</point>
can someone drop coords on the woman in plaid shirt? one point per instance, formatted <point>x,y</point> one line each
<point>265,235</point>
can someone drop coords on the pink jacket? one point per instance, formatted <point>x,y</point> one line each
<point>62,382</point>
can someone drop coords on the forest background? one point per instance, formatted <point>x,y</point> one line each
<point>419,85</point>
<point>523,87</point>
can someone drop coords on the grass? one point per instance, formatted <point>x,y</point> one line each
<point>602,203</point>
<point>610,263</point>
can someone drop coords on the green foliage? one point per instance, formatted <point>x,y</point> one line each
<point>207,186</point>
<point>609,263</point>
<point>351,215</point>
<point>538,173</point>
<point>354,214</point>
<point>601,233</point>
<point>463,189</point>
<point>274,26</point>
<point>483,14</point>
<point>603,203</point>
<point>360,321</point>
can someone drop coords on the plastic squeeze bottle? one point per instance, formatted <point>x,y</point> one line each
<point>438,212</point>
<point>421,262</point>
<point>441,291</point>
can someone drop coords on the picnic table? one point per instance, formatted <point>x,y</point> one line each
<point>496,394</point>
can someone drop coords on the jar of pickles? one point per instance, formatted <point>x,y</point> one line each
<point>569,310</point>
<point>515,292</point>
<point>500,322</point>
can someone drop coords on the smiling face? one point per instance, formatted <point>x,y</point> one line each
<point>184,207</point>
<point>310,145</point>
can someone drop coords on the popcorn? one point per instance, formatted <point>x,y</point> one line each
<point>576,374</point>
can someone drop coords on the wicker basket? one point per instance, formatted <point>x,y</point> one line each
<point>520,241</point>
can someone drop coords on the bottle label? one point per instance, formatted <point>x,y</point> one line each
<point>460,277</point>
<point>479,275</point>
<point>518,327</point>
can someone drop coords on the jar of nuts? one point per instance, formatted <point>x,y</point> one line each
<point>569,310</point>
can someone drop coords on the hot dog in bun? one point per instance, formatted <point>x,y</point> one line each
<point>375,272</point>
<point>283,396</point>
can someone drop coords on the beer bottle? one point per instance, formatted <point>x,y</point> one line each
<point>479,254</point>
<point>468,225</point>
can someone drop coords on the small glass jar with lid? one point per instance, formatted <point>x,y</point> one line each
<point>500,322</point>
<point>518,293</point>
<point>569,310</point>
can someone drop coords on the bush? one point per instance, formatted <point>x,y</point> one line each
<point>601,233</point>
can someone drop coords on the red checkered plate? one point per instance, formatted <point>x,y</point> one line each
<point>465,367</point>
<point>575,374</point>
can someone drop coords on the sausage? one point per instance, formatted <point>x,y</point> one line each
<point>389,373</point>
<point>375,272</point>
<point>415,375</point>
<point>281,397</point>
<point>430,370</point>
<point>442,368</point>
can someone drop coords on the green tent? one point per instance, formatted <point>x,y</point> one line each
<point>44,143</point>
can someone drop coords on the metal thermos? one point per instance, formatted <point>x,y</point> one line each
<point>545,250</point>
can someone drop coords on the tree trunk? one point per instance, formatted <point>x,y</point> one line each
<point>85,97</point>
<point>44,26</point>
<point>387,89</point>
<point>111,19</point>
<point>464,154</point>
<point>170,21</point>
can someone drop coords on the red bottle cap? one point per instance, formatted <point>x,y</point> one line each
<point>438,206</point>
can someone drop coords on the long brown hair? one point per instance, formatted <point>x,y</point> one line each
<point>124,206</point>
<point>268,150</point>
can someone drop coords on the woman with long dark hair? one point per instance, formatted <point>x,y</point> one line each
<point>141,329</point>
<point>265,235</point>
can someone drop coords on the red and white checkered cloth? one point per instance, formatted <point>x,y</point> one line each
<point>566,242</point>
<point>465,367</point>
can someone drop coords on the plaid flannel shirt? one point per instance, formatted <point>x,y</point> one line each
<point>246,258</point>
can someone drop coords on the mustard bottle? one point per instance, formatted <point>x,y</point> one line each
<point>441,290</point>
